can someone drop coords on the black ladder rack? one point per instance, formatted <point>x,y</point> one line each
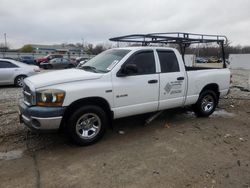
<point>184,40</point>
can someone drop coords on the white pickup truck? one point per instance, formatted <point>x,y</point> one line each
<point>117,83</point>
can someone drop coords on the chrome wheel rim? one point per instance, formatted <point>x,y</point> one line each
<point>207,103</point>
<point>88,126</point>
<point>20,81</point>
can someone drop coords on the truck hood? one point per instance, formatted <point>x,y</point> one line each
<point>61,76</point>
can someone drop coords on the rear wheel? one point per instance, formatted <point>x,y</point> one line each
<point>206,103</point>
<point>19,80</point>
<point>70,66</point>
<point>49,67</point>
<point>87,125</point>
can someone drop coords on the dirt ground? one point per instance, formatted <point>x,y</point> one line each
<point>175,150</point>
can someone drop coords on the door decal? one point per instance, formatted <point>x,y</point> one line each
<point>173,87</point>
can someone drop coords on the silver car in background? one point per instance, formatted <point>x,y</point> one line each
<point>58,63</point>
<point>13,72</point>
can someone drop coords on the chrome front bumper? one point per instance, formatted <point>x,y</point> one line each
<point>36,123</point>
<point>41,118</point>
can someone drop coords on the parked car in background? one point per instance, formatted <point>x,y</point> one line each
<point>201,60</point>
<point>58,63</point>
<point>14,72</point>
<point>11,58</point>
<point>48,58</point>
<point>28,60</point>
<point>73,59</point>
<point>82,63</point>
<point>214,60</point>
<point>80,59</point>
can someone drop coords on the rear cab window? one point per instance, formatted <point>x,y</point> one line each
<point>168,61</point>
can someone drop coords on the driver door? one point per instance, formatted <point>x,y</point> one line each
<point>137,93</point>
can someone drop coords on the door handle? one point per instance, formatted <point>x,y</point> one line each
<point>180,78</point>
<point>152,81</point>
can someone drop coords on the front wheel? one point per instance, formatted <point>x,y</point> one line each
<point>87,125</point>
<point>19,80</point>
<point>49,66</point>
<point>206,103</point>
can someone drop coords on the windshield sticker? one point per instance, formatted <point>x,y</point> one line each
<point>111,66</point>
<point>174,87</point>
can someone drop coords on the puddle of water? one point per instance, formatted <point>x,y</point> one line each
<point>222,113</point>
<point>189,114</point>
<point>10,155</point>
<point>218,113</point>
<point>183,115</point>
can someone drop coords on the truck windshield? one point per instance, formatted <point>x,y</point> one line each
<point>105,61</point>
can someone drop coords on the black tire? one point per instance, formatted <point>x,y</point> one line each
<point>206,103</point>
<point>43,66</point>
<point>83,117</point>
<point>70,66</point>
<point>19,80</point>
<point>49,67</point>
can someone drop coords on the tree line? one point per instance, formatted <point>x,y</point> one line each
<point>87,48</point>
<point>198,50</point>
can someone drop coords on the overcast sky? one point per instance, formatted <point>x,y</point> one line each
<point>60,21</point>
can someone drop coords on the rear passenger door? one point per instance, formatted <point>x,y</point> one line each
<point>172,80</point>
<point>7,72</point>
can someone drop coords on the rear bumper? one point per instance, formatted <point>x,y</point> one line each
<point>41,118</point>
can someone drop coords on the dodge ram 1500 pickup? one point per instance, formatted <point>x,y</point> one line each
<point>117,83</point>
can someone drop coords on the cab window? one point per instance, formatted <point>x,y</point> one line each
<point>168,61</point>
<point>144,61</point>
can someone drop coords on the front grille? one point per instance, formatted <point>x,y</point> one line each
<point>27,95</point>
<point>26,88</point>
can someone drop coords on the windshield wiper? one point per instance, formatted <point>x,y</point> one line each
<point>86,67</point>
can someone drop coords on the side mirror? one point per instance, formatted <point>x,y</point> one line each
<point>128,69</point>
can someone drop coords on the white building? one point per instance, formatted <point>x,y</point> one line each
<point>239,61</point>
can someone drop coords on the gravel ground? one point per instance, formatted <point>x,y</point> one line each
<point>175,150</point>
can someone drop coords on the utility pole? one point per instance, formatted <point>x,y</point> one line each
<point>83,42</point>
<point>83,46</point>
<point>5,42</point>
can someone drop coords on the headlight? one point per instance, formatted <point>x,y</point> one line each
<point>50,97</point>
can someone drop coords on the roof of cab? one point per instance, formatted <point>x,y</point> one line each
<point>134,48</point>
